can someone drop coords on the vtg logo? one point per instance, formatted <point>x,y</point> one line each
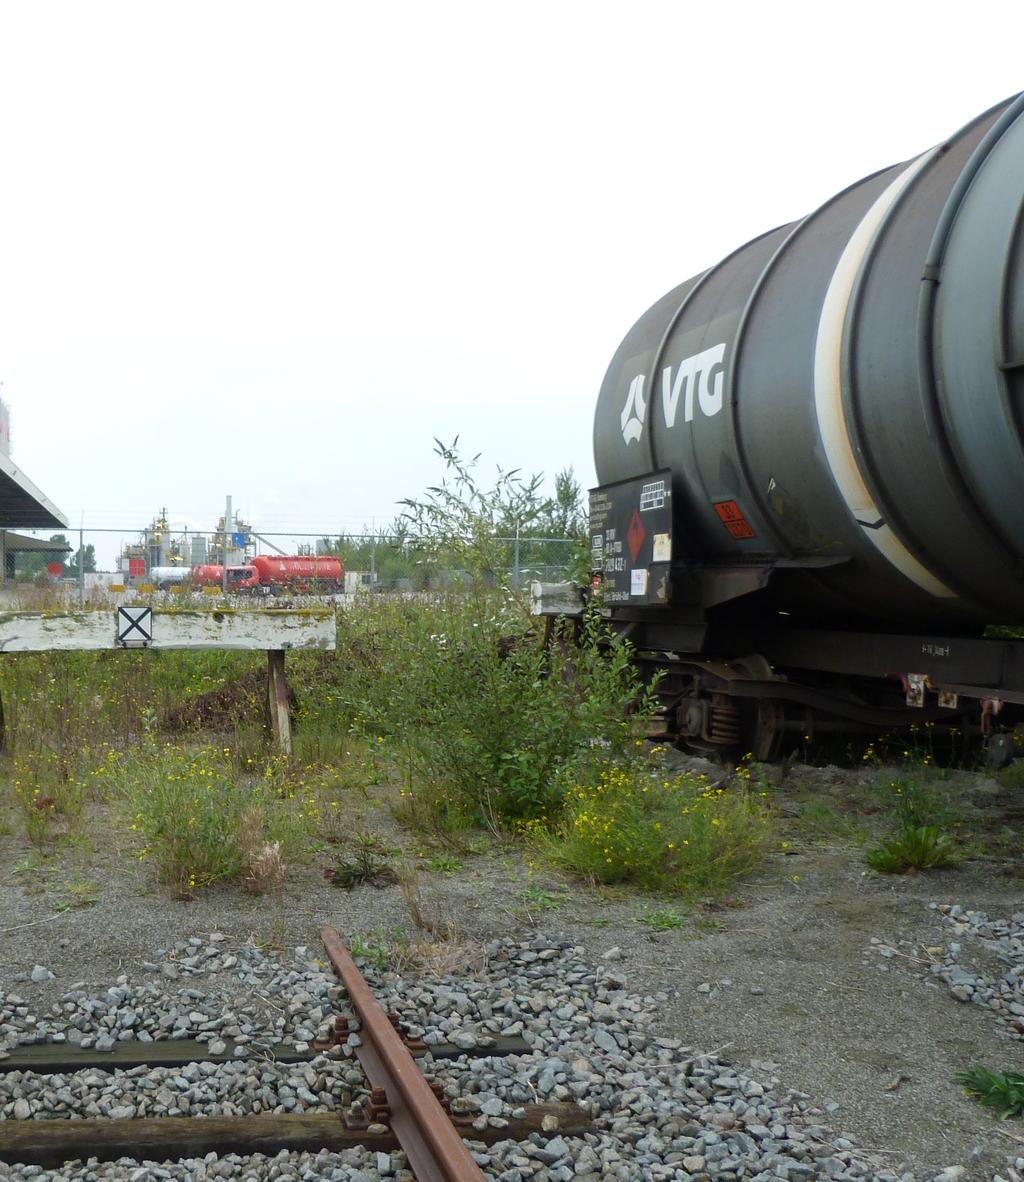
<point>632,417</point>
<point>699,378</point>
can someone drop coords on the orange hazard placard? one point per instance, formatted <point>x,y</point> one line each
<point>732,518</point>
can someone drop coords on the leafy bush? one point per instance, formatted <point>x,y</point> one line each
<point>916,847</point>
<point>1002,1090</point>
<point>483,530</point>
<point>629,821</point>
<point>481,716</point>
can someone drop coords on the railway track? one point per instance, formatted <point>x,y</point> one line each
<point>402,1110</point>
<point>553,1070</point>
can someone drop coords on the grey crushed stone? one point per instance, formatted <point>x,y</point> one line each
<point>662,1110</point>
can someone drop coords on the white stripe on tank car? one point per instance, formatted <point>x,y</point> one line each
<point>828,390</point>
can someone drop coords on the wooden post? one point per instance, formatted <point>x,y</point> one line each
<point>277,689</point>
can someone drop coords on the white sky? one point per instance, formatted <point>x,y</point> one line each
<point>272,250</point>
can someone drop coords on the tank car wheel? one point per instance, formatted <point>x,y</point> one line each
<point>767,731</point>
<point>764,718</point>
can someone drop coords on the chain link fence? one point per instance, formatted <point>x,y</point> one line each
<point>163,559</point>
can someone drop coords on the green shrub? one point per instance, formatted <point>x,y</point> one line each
<point>916,847</point>
<point>629,821</point>
<point>481,715</point>
<point>1002,1090</point>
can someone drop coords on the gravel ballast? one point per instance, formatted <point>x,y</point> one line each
<point>661,1110</point>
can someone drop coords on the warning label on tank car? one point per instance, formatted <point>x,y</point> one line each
<point>635,535</point>
<point>731,516</point>
<point>631,532</point>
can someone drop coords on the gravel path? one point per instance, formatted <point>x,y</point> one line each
<point>811,1030</point>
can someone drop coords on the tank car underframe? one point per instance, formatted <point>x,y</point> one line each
<point>762,685</point>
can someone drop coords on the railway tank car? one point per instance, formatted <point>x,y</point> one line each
<point>811,461</point>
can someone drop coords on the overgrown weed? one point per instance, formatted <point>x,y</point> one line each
<point>486,724</point>
<point>536,899</point>
<point>915,847</point>
<point>920,818</point>
<point>634,821</point>
<point>200,822</point>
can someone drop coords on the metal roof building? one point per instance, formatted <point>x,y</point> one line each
<point>22,505</point>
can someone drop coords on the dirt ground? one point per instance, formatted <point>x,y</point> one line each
<point>787,975</point>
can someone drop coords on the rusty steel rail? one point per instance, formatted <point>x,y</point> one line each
<point>403,1110</point>
<point>435,1150</point>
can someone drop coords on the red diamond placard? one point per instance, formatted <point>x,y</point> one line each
<point>635,534</point>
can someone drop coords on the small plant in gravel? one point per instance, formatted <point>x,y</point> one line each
<point>1001,1090</point>
<point>379,948</point>
<point>370,863</point>
<point>662,919</point>
<point>447,864</point>
<point>80,894</point>
<point>634,821</point>
<point>539,898</point>
<point>32,863</point>
<point>917,847</point>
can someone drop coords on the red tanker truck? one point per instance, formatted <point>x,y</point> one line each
<point>276,575</point>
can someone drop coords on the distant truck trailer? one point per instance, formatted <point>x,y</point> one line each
<point>275,575</point>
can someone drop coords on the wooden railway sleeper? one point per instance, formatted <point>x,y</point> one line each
<point>409,1112</point>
